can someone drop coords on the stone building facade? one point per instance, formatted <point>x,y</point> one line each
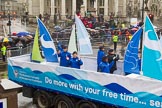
<point>155,7</point>
<point>65,8</point>
<point>7,7</point>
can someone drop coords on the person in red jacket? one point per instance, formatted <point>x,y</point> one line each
<point>90,25</point>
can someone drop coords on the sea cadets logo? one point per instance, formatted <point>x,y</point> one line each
<point>16,73</point>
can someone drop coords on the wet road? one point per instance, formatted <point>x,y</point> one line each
<point>24,102</point>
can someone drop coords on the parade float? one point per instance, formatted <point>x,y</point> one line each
<point>51,85</point>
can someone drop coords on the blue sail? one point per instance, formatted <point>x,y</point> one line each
<point>152,52</point>
<point>85,47</point>
<point>131,60</point>
<point>47,43</point>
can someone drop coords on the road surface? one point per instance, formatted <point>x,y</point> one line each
<point>24,102</point>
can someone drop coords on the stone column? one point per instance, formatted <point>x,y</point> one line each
<point>160,8</point>
<point>96,6</point>
<point>52,7</point>
<point>124,8</point>
<point>63,10</point>
<point>0,4</point>
<point>85,5</point>
<point>106,10</point>
<point>73,7</point>
<point>30,7</point>
<point>116,7</point>
<point>42,7</point>
<point>141,3</point>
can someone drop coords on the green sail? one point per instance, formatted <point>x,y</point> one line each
<point>36,56</point>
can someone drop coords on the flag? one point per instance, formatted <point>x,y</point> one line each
<point>84,43</point>
<point>131,59</point>
<point>36,56</point>
<point>48,47</point>
<point>152,52</point>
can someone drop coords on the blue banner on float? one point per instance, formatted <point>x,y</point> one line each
<point>101,87</point>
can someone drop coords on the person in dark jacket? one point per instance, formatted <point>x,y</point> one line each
<point>75,61</point>
<point>112,56</point>
<point>105,66</point>
<point>40,16</point>
<point>100,55</point>
<point>64,57</point>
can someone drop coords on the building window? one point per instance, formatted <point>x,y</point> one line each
<point>48,3</point>
<point>91,3</point>
<point>55,2</point>
<point>55,10</point>
<point>101,11</point>
<point>101,2</point>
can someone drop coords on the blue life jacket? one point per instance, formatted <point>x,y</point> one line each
<point>100,55</point>
<point>63,60</point>
<point>75,63</point>
<point>105,66</point>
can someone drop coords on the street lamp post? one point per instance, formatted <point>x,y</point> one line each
<point>9,18</point>
<point>141,41</point>
<point>144,2</point>
<point>143,10</point>
<point>25,16</point>
<point>9,21</point>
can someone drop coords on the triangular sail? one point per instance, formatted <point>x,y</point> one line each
<point>85,47</point>
<point>48,46</point>
<point>36,56</point>
<point>72,42</point>
<point>152,52</point>
<point>131,60</point>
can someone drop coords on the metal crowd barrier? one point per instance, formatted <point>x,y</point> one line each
<point>108,39</point>
<point>19,51</point>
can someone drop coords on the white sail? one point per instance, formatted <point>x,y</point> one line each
<point>85,47</point>
<point>72,42</point>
